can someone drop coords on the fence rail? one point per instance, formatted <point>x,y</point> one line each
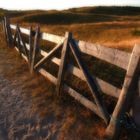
<point>127,61</point>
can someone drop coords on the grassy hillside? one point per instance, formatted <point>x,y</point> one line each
<point>75,15</point>
<point>110,26</point>
<point>113,10</point>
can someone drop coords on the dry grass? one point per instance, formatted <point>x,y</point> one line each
<point>109,26</point>
<point>110,34</point>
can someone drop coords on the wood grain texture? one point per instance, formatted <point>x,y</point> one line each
<point>25,58</point>
<point>9,33</point>
<point>22,42</point>
<point>91,82</point>
<point>111,55</point>
<point>104,86</point>
<point>47,75</point>
<point>130,81</point>
<point>36,41</point>
<point>52,38</point>
<point>23,30</point>
<point>30,48</point>
<point>15,37</point>
<point>62,67</point>
<point>4,29</point>
<point>50,54</point>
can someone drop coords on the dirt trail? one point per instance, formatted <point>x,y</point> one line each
<point>18,120</point>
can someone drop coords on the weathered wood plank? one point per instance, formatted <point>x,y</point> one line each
<point>4,29</point>
<point>19,45</point>
<point>50,54</point>
<point>63,63</point>
<point>131,78</point>
<point>23,30</point>
<point>52,38</point>
<point>104,86</point>
<point>15,37</point>
<point>42,71</point>
<point>111,55</point>
<point>80,98</point>
<point>53,59</point>
<point>9,33</point>
<point>90,82</point>
<point>26,59</point>
<point>45,36</point>
<point>47,75</point>
<point>30,48</point>
<point>36,41</point>
<point>23,43</point>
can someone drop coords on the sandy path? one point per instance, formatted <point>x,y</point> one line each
<point>18,120</point>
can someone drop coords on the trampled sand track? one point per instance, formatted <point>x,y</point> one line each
<point>18,120</point>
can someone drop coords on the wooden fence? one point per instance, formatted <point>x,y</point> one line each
<point>124,60</point>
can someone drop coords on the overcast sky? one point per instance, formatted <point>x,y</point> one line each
<point>61,4</point>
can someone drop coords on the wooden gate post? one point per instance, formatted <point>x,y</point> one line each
<point>8,32</point>
<point>63,62</point>
<point>4,29</point>
<point>35,46</point>
<point>113,129</point>
<point>30,47</point>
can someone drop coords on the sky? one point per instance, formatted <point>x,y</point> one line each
<point>61,4</point>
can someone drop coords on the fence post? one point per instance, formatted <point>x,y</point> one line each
<point>113,129</point>
<point>4,29</point>
<point>19,43</point>
<point>8,32</point>
<point>62,66</point>
<point>15,37</point>
<point>30,47</point>
<point>35,46</point>
<point>22,42</point>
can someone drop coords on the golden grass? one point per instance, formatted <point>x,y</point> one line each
<point>110,34</point>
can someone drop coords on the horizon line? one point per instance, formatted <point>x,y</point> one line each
<point>24,9</point>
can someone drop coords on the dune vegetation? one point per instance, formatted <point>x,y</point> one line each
<point>110,26</point>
